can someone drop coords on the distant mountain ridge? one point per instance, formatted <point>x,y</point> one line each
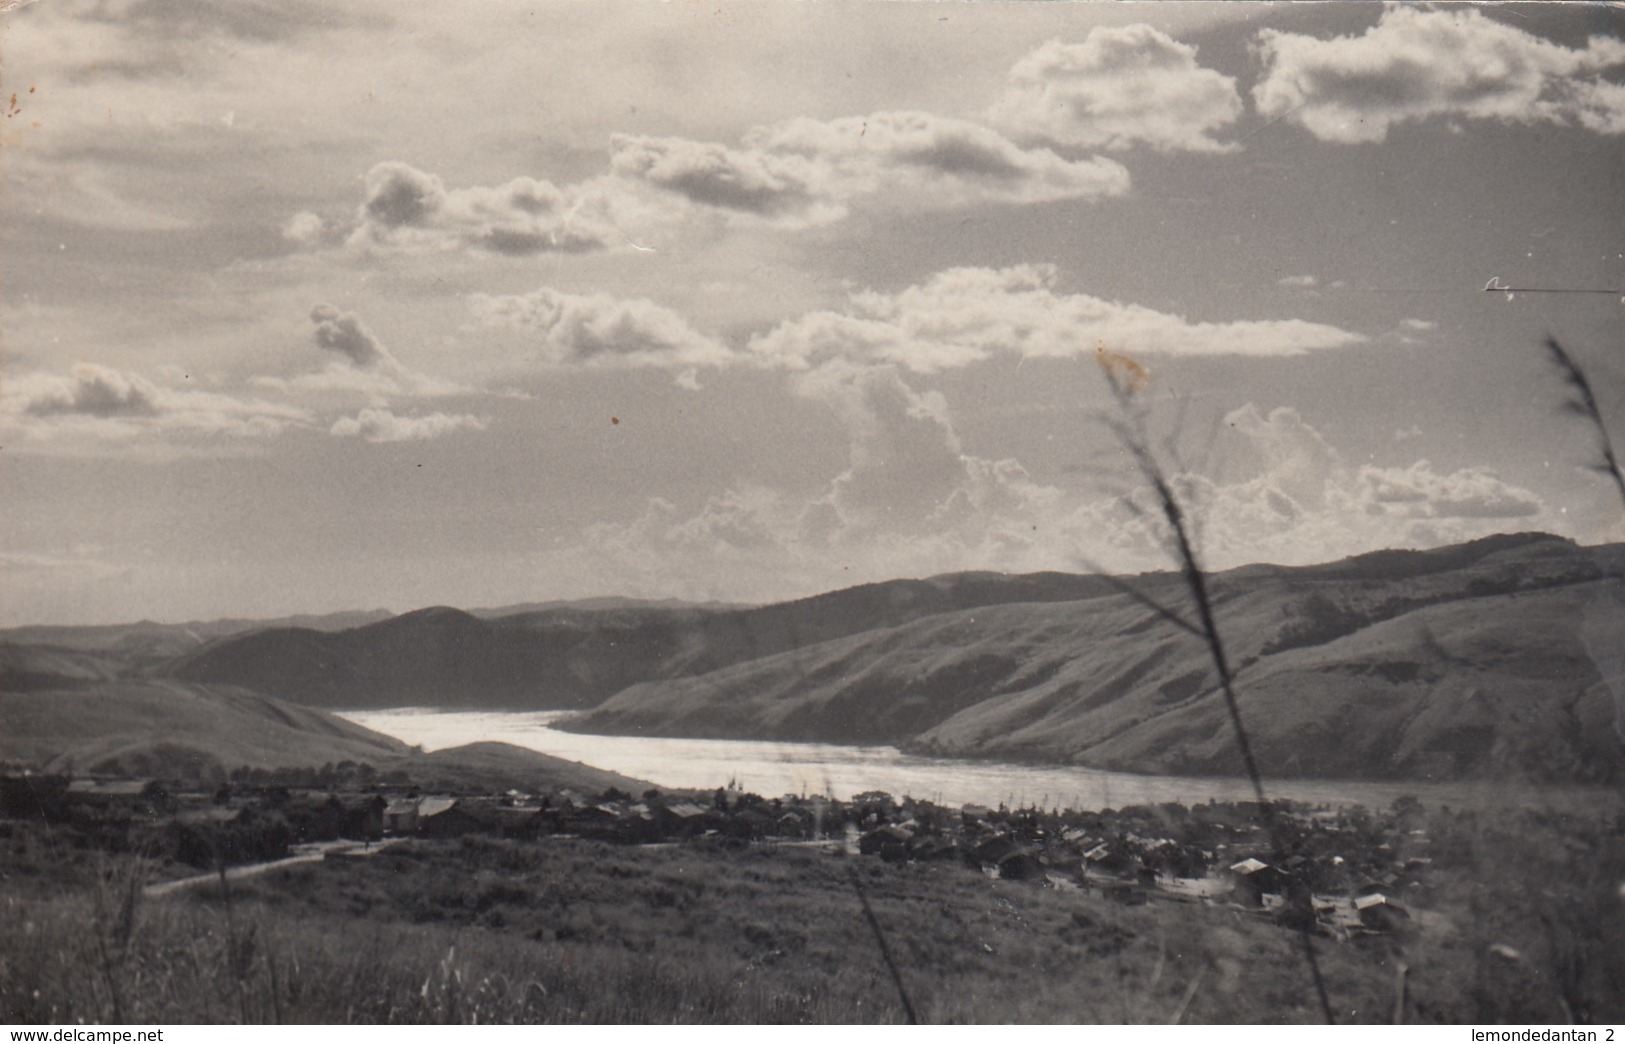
<point>570,657</point>
<point>1457,662</point>
<point>1476,661</point>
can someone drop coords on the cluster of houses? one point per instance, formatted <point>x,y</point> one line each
<point>1336,875</point>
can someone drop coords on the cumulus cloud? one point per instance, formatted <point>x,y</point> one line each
<point>381,425</point>
<point>363,364</point>
<point>305,228</point>
<point>965,315</point>
<point>1119,87</point>
<point>906,463</point>
<point>344,333</point>
<point>1416,64</point>
<point>95,391</point>
<point>409,209</point>
<point>795,174</point>
<point>805,172</point>
<point>911,501</point>
<point>100,403</point>
<point>1420,492</point>
<point>601,331</point>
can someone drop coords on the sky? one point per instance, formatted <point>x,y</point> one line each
<point>312,306</point>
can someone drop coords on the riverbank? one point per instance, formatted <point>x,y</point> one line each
<point>774,768</point>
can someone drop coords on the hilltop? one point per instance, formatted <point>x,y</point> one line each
<point>1456,663</point>
<point>1468,662</point>
<point>171,730</point>
<point>575,657</point>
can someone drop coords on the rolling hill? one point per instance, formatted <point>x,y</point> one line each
<point>574,657</point>
<point>1503,654</point>
<point>163,728</point>
<point>175,731</point>
<point>1461,663</point>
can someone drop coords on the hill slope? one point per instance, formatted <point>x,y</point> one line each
<point>144,728</point>
<point>1464,662</point>
<point>574,657</point>
<point>171,730</point>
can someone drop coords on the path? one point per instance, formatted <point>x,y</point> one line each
<point>311,853</point>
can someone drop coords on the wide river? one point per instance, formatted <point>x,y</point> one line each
<point>773,769</point>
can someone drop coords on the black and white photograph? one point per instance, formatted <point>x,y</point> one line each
<point>812,511</point>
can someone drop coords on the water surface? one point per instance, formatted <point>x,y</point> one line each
<point>772,768</point>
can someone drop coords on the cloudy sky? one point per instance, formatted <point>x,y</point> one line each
<point>311,305</point>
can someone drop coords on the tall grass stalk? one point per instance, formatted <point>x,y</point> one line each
<point>1130,428</point>
<point>1582,402</point>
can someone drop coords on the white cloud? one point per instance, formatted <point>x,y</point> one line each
<point>600,331</point>
<point>364,365</point>
<point>911,502</point>
<point>1419,325</point>
<point>965,315</point>
<point>344,333</point>
<point>100,405</point>
<point>381,425</point>
<point>94,391</point>
<point>19,565</point>
<point>807,172</point>
<point>906,463</point>
<point>1119,87</point>
<point>1415,64</point>
<point>411,210</point>
<point>305,228</point>
<point>1420,492</point>
<point>1299,282</point>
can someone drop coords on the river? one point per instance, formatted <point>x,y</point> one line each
<point>773,769</point>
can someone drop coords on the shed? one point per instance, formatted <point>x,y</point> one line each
<point>401,817</point>
<point>446,817</point>
<point>1252,879</point>
<point>877,839</point>
<point>1380,913</point>
<point>1021,865</point>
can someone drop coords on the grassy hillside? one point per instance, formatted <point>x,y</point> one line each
<point>1462,663</point>
<point>575,657</point>
<point>171,730</point>
<point>1516,920</point>
<point>166,728</point>
<point>494,767</point>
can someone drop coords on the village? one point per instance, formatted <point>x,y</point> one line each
<point>1339,872</point>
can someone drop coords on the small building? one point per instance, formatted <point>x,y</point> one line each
<point>877,839</point>
<point>994,849</point>
<point>934,848</point>
<point>1023,864</point>
<point>1252,879</point>
<point>519,822</point>
<point>126,796</point>
<point>446,817</point>
<point>680,819</point>
<point>401,817</point>
<point>30,795</point>
<point>1378,913</point>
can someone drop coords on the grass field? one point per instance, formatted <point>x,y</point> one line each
<point>482,930</point>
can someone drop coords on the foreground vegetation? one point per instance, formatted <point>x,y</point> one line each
<point>1521,919</point>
